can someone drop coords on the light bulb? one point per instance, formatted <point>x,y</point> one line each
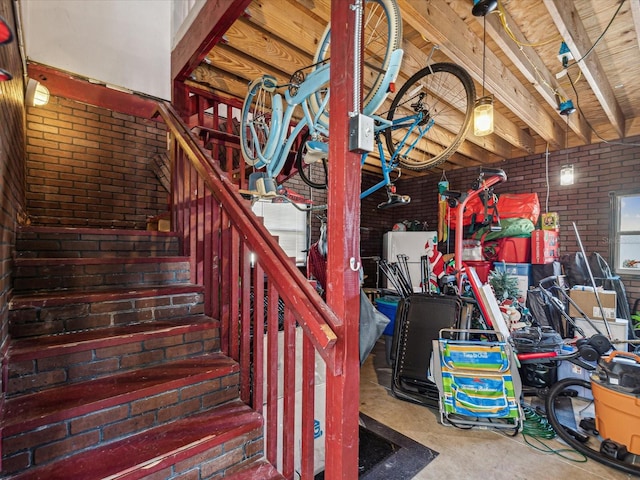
<point>483,117</point>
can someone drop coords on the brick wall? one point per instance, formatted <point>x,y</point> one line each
<point>92,167</point>
<point>599,169</point>
<point>11,167</point>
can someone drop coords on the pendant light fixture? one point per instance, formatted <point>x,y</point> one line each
<point>483,110</point>
<point>566,170</point>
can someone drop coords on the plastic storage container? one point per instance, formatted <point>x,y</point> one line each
<point>482,268</point>
<point>388,305</point>
<point>522,272</point>
<point>523,269</point>
<point>514,249</point>
<point>567,369</point>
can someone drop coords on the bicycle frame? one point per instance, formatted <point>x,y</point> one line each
<point>279,144</point>
<point>392,163</point>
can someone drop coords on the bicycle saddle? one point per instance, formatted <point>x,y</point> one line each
<point>394,200</point>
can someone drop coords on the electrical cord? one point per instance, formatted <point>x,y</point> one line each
<point>575,91</point>
<point>598,39</point>
<point>536,429</point>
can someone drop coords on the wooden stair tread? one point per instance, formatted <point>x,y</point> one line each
<point>37,261</point>
<point>96,294</point>
<point>64,343</point>
<point>95,231</point>
<point>262,470</point>
<point>29,411</point>
<point>155,449</point>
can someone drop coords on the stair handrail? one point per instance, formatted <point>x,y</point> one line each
<point>316,318</point>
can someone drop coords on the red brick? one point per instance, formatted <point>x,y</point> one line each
<point>184,350</point>
<point>118,350</point>
<point>64,447</point>
<point>33,438</point>
<point>37,381</point>
<point>154,403</point>
<point>222,462</point>
<point>97,419</point>
<point>163,342</point>
<point>199,389</point>
<point>196,460</point>
<point>144,358</point>
<point>220,397</point>
<point>128,426</point>
<point>88,370</point>
<point>60,361</point>
<point>16,463</point>
<point>178,410</point>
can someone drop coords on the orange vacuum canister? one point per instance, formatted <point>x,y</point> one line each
<point>616,394</point>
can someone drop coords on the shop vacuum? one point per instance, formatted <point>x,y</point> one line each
<point>616,394</point>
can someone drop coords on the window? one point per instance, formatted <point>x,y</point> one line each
<point>289,224</point>
<point>625,232</point>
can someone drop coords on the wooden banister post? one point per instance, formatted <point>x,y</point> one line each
<point>343,292</point>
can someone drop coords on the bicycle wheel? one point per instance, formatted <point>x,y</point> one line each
<point>431,115</point>
<point>311,167</point>
<point>382,26</point>
<point>260,121</point>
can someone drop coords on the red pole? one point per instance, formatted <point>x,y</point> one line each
<point>343,236</point>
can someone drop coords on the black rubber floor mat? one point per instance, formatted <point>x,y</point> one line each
<point>385,454</point>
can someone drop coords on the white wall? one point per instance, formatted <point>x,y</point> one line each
<point>125,43</point>
<point>184,12</point>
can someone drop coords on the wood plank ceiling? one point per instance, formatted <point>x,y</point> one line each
<point>522,68</point>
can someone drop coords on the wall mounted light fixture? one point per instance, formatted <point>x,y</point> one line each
<point>566,175</point>
<point>483,110</point>
<point>37,94</point>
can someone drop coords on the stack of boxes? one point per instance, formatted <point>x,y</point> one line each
<point>545,248</point>
<point>532,259</point>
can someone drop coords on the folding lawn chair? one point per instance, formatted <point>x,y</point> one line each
<point>477,379</point>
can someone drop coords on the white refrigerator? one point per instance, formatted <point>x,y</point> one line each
<point>412,244</point>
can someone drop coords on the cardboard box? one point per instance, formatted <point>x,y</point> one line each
<point>619,330</point>
<point>588,303</point>
<point>550,221</point>
<point>545,246</point>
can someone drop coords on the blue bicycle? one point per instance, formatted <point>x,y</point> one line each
<point>266,137</point>
<point>425,124</point>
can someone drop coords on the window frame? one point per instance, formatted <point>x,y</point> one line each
<point>615,233</point>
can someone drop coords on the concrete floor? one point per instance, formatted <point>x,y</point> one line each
<point>465,454</point>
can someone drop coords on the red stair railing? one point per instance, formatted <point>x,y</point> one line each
<point>242,268</point>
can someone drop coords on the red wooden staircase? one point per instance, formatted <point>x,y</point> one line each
<point>114,370</point>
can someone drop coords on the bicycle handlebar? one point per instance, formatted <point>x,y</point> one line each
<point>496,175</point>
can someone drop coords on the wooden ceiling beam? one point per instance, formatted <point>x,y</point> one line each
<point>208,75</point>
<point>207,29</point>
<point>295,27</point>
<point>635,15</point>
<point>238,63</point>
<point>414,59</point>
<point>244,36</point>
<point>439,22</point>
<point>574,33</point>
<point>529,63</point>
